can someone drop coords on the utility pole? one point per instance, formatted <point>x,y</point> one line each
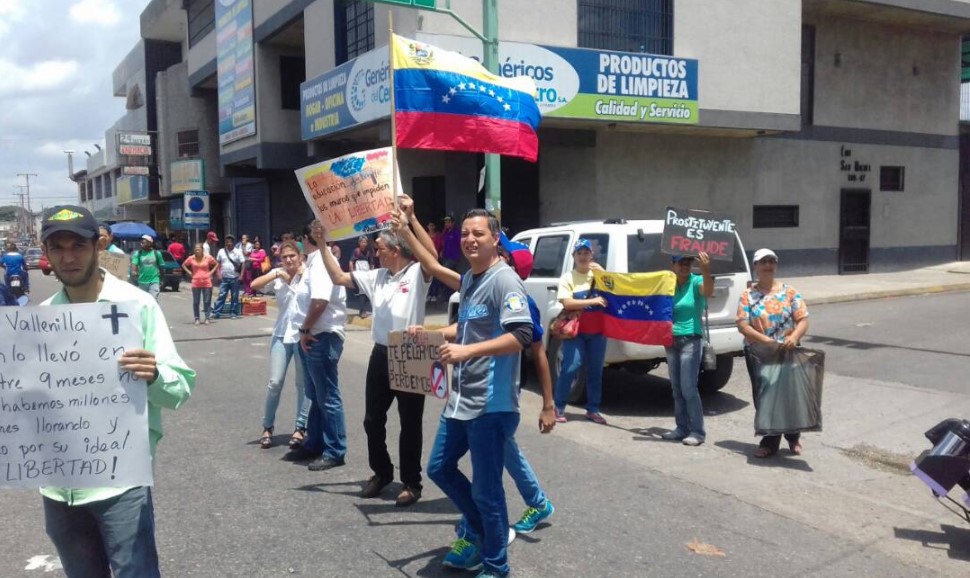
<point>493,163</point>
<point>30,213</point>
<point>21,217</point>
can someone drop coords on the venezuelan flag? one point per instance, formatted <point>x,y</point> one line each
<point>639,306</point>
<point>446,101</point>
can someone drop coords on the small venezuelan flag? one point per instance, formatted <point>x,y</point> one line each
<point>639,306</point>
<point>446,101</point>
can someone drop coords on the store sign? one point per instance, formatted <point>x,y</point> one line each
<point>135,150</point>
<point>355,92</point>
<point>135,171</point>
<point>235,66</point>
<point>187,175</point>
<point>130,189</point>
<point>195,210</point>
<point>175,211</point>
<point>576,83</point>
<point>130,138</point>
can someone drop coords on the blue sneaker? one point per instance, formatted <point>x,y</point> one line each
<point>490,574</point>
<point>531,518</point>
<point>464,555</point>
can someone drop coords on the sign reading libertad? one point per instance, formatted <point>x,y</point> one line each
<point>69,416</point>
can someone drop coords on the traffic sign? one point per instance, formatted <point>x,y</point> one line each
<point>426,4</point>
<point>195,214</point>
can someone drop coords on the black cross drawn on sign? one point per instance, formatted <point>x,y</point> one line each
<point>114,316</point>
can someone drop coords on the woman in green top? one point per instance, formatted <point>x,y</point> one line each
<point>684,356</point>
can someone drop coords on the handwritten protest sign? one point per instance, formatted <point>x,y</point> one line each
<point>351,195</point>
<point>413,363</point>
<point>688,232</point>
<point>69,417</point>
<point>115,263</point>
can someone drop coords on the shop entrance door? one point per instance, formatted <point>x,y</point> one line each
<point>854,231</point>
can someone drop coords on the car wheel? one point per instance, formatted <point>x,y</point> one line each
<point>577,391</point>
<point>47,272</point>
<point>713,381</point>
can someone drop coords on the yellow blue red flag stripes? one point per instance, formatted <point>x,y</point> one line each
<point>446,101</point>
<point>639,306</point>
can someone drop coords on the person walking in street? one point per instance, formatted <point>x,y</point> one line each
<point>589,346</point>
<point>107,238</point>
<point>362,259</point>
<point>482,410</point>
<point>293,300</point>
<point>321,344</point>
<point>230,260</point>
<point>255,261</point>
<point>110,531</point>
<point>177,249</point>
<point>771,312</point>
<point>684,356</point>
<point>517,256</point>
<point>398,290</point>
<point>146,266</point>
<point>211,245</point>
<point>200,268</point>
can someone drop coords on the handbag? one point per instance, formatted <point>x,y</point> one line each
<point>709,356</point>
<point>566,324</point>
<point>265,266</point>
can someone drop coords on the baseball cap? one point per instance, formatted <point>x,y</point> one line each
<point>147,238</point>
<point>211,236</point>
<point>762,253</point>
<point>583,244</point>
<point>677,258</point>
<point>447,218</point>
<point>69,218</point>
<point>519,255</point>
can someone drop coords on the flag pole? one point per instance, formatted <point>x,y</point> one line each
<point>394,168</point>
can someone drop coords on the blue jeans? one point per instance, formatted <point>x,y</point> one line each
<point>684,366</point>
<point>587,349</point>
<point>326,429</point>
<point>280,355</point>
<point>226,287</point>
<point>482,500</point>
<point>203,294</point>
<point>114,535</point>
<point>152,289</point>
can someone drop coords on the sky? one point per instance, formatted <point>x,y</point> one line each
<point>56,62</point>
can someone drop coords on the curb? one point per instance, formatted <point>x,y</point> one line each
<point>927,290</point>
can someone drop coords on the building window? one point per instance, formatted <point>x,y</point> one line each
<point>188,142</point>
<point>353,28</point>
<point>107,186</point>
<point>202,19</point>
<point>808,75</point>
<point>892,178</point>
<point>775,216</point>
<point>97,188</point>
<point>627,25</point>
<point>292,73</point>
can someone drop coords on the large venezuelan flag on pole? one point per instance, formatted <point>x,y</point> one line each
<point>639,306</point>
<point>446,101</point>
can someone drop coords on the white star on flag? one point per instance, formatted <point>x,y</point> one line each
<point>452,91</point>
<point>481,88</point>
<point>446,99</point>
<point>461,86</point>
<point>471,85</point>
<point>491,93</point>
<point>507,107</point>
<point>500,99</point>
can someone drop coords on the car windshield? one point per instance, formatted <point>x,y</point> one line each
<point>34,252</point>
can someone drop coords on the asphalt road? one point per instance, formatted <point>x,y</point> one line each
<point>224,507</point>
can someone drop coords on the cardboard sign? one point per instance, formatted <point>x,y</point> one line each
<point>115,263</point>
<point>69,416</point>
<point>413,365</point>
<point>351,195</point>
<point>688,232</point>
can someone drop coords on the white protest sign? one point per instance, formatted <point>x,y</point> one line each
<point>115,263</point>
<point>413,366</point>
<point>69,416</point>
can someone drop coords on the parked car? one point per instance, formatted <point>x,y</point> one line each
<point>632,246</point>
<point>32,257</point>
<point>44,265</point>
<point>171,273</point>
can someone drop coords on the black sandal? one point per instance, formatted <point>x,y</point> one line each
<point>297,442</point>
<point>266,441</point>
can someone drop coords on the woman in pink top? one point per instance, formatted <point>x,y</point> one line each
<point>255,263</point>
<point>200,267</point>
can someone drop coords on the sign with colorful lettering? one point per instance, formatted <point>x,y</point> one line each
<point>413,366</point>
<point>235,70</point>
<point>351,195</point>
<point>353,93</point>
<point>688,232</point>
<point>69,416</point>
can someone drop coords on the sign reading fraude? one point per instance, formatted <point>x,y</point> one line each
<point>351,195</point>
<point>412,363</point>
<point>69,416</point>
<point>630,87</point>
<point>689,232</point>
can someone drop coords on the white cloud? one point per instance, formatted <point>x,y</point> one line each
<point>11,12</point>
<point>39,77</point>
<point>102,12</point>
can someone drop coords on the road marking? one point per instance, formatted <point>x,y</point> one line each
<point>44,562</point>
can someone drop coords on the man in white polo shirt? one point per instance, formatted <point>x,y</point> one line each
<point>398,291</point>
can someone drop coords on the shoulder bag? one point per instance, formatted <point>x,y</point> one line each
<point>709,357</point>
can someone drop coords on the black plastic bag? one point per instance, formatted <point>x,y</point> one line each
<point>787,388</point>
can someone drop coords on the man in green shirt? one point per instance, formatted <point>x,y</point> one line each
<point>110,531</point>
<point>146,265</point>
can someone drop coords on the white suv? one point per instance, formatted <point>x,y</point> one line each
<point>624,246</point>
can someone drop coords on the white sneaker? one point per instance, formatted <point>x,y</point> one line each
<point>511,535</point>
<point>693,440</point>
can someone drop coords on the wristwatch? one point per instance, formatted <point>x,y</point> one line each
<point>304,331</point>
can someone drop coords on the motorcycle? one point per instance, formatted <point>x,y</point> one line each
<point>947,464</point>
<point>16,285</point>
